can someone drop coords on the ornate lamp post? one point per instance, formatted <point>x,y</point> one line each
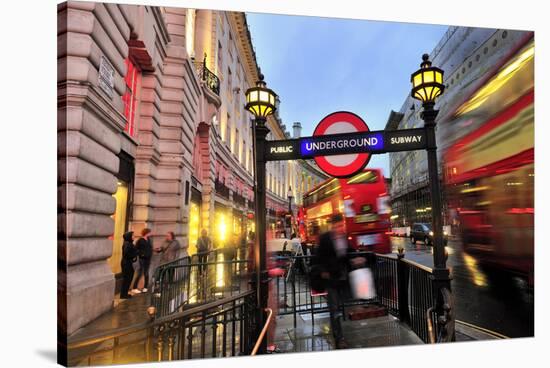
<point>260,101</point>
<point>427,86</point>
<point>290,196</point>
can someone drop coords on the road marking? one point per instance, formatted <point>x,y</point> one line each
<point>490,332</point>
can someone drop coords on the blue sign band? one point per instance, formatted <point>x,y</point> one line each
<point>352,143</point>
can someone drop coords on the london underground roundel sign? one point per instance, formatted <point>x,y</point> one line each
<point>341,166</point>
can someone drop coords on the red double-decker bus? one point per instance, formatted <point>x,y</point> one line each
<point>490,171</point>
<point>364,203</point>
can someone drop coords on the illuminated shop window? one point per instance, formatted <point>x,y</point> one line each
<point>194,227</point>
<point>119,217</point>
<point>221,229</point>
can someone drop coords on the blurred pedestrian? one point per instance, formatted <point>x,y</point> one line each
<point>170,248</point>
<point>229,254</point>
<point>145,249</point>
<point>204,246</point>
<point>129,255</point>
<point>333,259</point>
<point>296,245</point>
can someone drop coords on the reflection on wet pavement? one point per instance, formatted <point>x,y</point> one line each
<point>373,332</point>
<point>493,300</point>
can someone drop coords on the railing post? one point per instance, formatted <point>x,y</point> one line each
<point>403,287</point>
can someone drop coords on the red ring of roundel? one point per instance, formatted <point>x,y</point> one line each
<point>362,158</point>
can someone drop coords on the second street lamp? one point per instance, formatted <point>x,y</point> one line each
<point>427,86</point>
<point>260,101</point>
<point>289,195</point>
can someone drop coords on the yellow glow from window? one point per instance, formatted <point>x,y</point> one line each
<point>323,210</point>
<point>220,274</point>
<point>121,198</point>
<point>194,224</point>
<point>497,81</point>
<point>221,228</point>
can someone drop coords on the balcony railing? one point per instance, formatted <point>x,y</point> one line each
<point>210,79</point>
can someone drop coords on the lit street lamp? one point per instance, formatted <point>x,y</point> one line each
<point>290,196</point>
<point>260,101</point>
<point>427,86</point>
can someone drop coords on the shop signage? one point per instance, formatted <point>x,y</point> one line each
<point>106,77</point>
<point>342,154</point>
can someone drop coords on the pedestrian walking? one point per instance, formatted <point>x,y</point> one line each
<point>170,248</point>
<point>145,249</point>
<point>129,255</point>
<point>333,260</point>
<point>204,246</point>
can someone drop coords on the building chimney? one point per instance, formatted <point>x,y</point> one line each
<point>297,130</point>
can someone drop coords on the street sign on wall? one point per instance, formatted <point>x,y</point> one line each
<point>344,154</point>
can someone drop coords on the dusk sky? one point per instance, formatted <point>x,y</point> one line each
<point>321,65</point>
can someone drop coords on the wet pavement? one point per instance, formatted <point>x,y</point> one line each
<point>372,332</point>
<point>500,303</point>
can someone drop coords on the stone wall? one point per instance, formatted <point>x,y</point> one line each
<point>90,126</point>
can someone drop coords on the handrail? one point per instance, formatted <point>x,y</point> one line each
<point>103,336</point>
<point>431,333</point>
<point>418,265</point>
<point>264,330</point>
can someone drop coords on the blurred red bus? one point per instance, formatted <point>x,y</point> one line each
<point>364,203</point>
<point>490,170</point>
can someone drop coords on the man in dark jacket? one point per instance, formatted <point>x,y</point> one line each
<point>334,263</point>
<point>129,254</point>
<point>145,249</point>
<point>204,246</point>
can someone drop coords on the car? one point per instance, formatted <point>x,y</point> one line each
<point>423,231</point>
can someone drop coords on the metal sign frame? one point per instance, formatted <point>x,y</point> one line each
<point>373,142</point>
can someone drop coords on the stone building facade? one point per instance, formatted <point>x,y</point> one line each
<point>468,56</point>
<point>152,132</point>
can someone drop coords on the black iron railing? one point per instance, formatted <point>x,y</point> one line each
<point>210,79</point>
<point>294,291</point>
<point>421,298</point>
<point>217,329</point>
<point>189,282</point>
<point>404,287</point>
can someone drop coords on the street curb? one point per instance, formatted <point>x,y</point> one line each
<point>476,332</point>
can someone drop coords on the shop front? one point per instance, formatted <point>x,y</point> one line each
<point>222,226</point>
<point>121,217</point>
